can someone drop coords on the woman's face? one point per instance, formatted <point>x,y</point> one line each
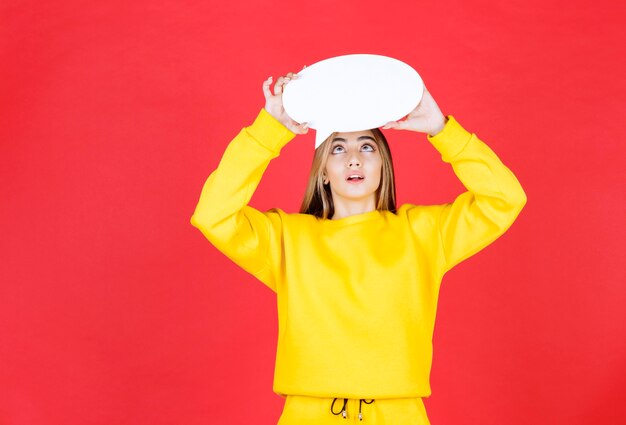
<point>354,154</point>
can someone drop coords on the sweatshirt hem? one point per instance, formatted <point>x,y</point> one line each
<point>353,396</point>
<point>269,132</point>
<point>451,140</point>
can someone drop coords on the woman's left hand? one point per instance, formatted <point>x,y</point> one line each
<point>425,118</point>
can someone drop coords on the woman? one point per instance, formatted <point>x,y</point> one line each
<point>356,279</point>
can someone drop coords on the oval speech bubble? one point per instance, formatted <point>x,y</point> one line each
<point>352,93</point>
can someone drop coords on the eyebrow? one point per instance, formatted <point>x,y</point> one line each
<point>340,139</point>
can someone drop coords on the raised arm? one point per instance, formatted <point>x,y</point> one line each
<point>492,202</point>
<point>222,214</point>
<point>494,196</point>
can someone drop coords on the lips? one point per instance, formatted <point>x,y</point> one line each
<point>355,177</point>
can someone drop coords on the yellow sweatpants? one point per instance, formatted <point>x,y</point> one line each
<point>302,410</point>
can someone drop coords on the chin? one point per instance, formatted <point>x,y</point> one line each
<point>357,195</point>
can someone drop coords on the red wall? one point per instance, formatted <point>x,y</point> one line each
<point>115,310</point>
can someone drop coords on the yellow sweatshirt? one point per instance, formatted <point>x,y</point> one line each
<point>356,296</point>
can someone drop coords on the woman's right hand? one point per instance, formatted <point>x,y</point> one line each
<point>274,103</point>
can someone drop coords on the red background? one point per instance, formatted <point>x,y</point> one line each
<point>115,310</point>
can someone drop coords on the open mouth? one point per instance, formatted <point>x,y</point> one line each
<point>355,179</point>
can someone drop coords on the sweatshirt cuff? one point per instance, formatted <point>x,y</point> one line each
<point>269,132</point>
<point>451,140</point>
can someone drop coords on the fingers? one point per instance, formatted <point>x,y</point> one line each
<point>282,82</point>
<point>266,88</point>
<point>391,124</point>
<point>396,125</point>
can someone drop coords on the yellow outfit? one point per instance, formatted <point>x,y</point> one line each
<point>356,296</point>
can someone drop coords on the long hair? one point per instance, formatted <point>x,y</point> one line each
<point>318,199</point>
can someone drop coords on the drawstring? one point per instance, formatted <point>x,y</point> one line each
<point>344,412</point>
<point>366,402</point>
<point>343,409</point>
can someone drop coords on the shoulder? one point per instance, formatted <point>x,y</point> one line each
<point>422,219</point>
<point>286,218</point>
<point>419,212</point>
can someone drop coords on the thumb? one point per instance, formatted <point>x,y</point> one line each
<point>301,128</point>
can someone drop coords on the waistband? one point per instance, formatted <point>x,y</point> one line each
<point>344,412</point>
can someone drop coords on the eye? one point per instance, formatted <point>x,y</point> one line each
<point>334,150</point>
<point>368,147</point>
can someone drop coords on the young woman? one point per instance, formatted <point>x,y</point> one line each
<point>356,279</point>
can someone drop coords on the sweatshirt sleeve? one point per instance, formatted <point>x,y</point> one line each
<point>492,202</point>
<point>249,237</point>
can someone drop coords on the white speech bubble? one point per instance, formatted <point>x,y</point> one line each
<point>352,93</point>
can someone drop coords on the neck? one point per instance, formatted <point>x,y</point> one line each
<point>346,209</point>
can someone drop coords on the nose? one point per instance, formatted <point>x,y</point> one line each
<point>353,160</point>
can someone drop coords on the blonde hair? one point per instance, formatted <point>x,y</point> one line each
<point>318,199</point>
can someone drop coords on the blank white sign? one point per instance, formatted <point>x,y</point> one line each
<point>352,93</point>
